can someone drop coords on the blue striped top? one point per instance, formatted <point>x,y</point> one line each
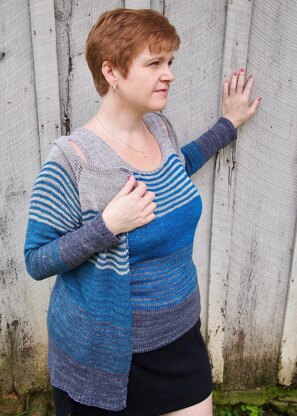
<point>115,294</point>
<point>164,290</point>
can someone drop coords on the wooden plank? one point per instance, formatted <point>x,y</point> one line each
<point>79,99</point>
<point>235,55</point>
<point>46,72</point>
<point>288,360</point>
<point>287,89</point>
<point>137,4</point>
<point>158,5</point>
<point>264,210</point>
<point>193,105</point>
<point>63,12</point>
<point>23,302</point>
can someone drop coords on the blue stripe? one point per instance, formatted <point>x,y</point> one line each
<point>64,177</point>
<point>174,182</point>
<point>173,175</point>
<point>51,196</point>
<point>162,280</point>
<point>52,212</point>
<point>177,273</point>
<point>43,186</point>
<point>177,199</point>
<point>170,196</point>
<point>57,189</point>
<point>65,173</point>
<point>168,262</point>
<point>90,214</point>
<point>49,222</point>
<point>194,158</point>
<point>117,263</point>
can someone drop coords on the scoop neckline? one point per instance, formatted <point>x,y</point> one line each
<point>130,167</point>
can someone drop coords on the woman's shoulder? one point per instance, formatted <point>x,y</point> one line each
<point>161,121</point>
<point>157,117</point>
<point>76,134</point>
<point>72,145</point>
<point>162,125</point>
<point>62,156</point>
<point>55,154</point>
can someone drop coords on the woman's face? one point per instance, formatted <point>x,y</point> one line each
<point>147,84</point>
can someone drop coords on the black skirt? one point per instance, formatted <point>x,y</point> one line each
<point>170,378</point>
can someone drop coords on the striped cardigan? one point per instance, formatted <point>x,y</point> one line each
<point>90,315</point>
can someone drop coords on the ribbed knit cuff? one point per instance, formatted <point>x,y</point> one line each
<point>93,237</point>
<point>101,229</point>
<point>233,129</point>
<point>219,136</point>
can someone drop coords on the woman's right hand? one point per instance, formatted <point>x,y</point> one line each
<point>130,208</point>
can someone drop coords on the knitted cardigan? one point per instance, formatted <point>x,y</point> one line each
<point>89,317</point>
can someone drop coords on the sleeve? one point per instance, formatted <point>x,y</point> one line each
<point>56,241</point>
<point>199,151</point>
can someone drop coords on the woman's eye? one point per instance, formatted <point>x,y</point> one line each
<point>154,63</point>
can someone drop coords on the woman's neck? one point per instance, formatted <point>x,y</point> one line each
<point>119,117</point>
<point>116,122</point>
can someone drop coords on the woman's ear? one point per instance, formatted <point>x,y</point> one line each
<point>109,73</point>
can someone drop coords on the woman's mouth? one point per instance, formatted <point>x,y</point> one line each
<point>163,91</point>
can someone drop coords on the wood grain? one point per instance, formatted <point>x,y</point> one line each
<point>23,302</point>
<point>264,210</point>
<point>235,55</point>
<point>79,99</point>
<point>43,32</point>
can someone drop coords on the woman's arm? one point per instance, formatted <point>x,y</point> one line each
<point>199,151</point>
<point>56,240</point>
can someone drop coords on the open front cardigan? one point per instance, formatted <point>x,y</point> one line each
<point>89,316</point>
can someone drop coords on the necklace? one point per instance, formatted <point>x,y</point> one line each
<point>111,134</point>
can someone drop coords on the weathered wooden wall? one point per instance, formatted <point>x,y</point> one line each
<point>264,204</point>
<point>245,242</point>
<point>22,303</point>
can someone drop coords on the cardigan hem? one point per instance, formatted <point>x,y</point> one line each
<point>86,385</point>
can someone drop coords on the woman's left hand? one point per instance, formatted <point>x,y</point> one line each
<point>235,104</point>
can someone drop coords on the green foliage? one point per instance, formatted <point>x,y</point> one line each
<point>272,401</point>
<point>228,412</point>
<point>252,410</point>
<point>243,409</point>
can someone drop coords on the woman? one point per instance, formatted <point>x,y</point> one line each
<point>113,213</point>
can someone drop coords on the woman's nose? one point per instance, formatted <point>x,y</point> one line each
<point>171,75</point>
<point>168,75</point>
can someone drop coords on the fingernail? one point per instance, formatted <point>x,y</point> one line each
<point>259,98</point>
<point>251,76</point>
<point>242,69</point>
<point>234,73</point>
<point>130,177</point>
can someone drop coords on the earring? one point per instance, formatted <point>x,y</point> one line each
<point>115,85</point>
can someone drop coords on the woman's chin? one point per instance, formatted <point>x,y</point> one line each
<point>160,106</point>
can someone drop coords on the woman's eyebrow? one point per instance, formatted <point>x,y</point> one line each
<point>160,57</point>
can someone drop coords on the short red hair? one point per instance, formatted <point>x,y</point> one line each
<point>120,34</point>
